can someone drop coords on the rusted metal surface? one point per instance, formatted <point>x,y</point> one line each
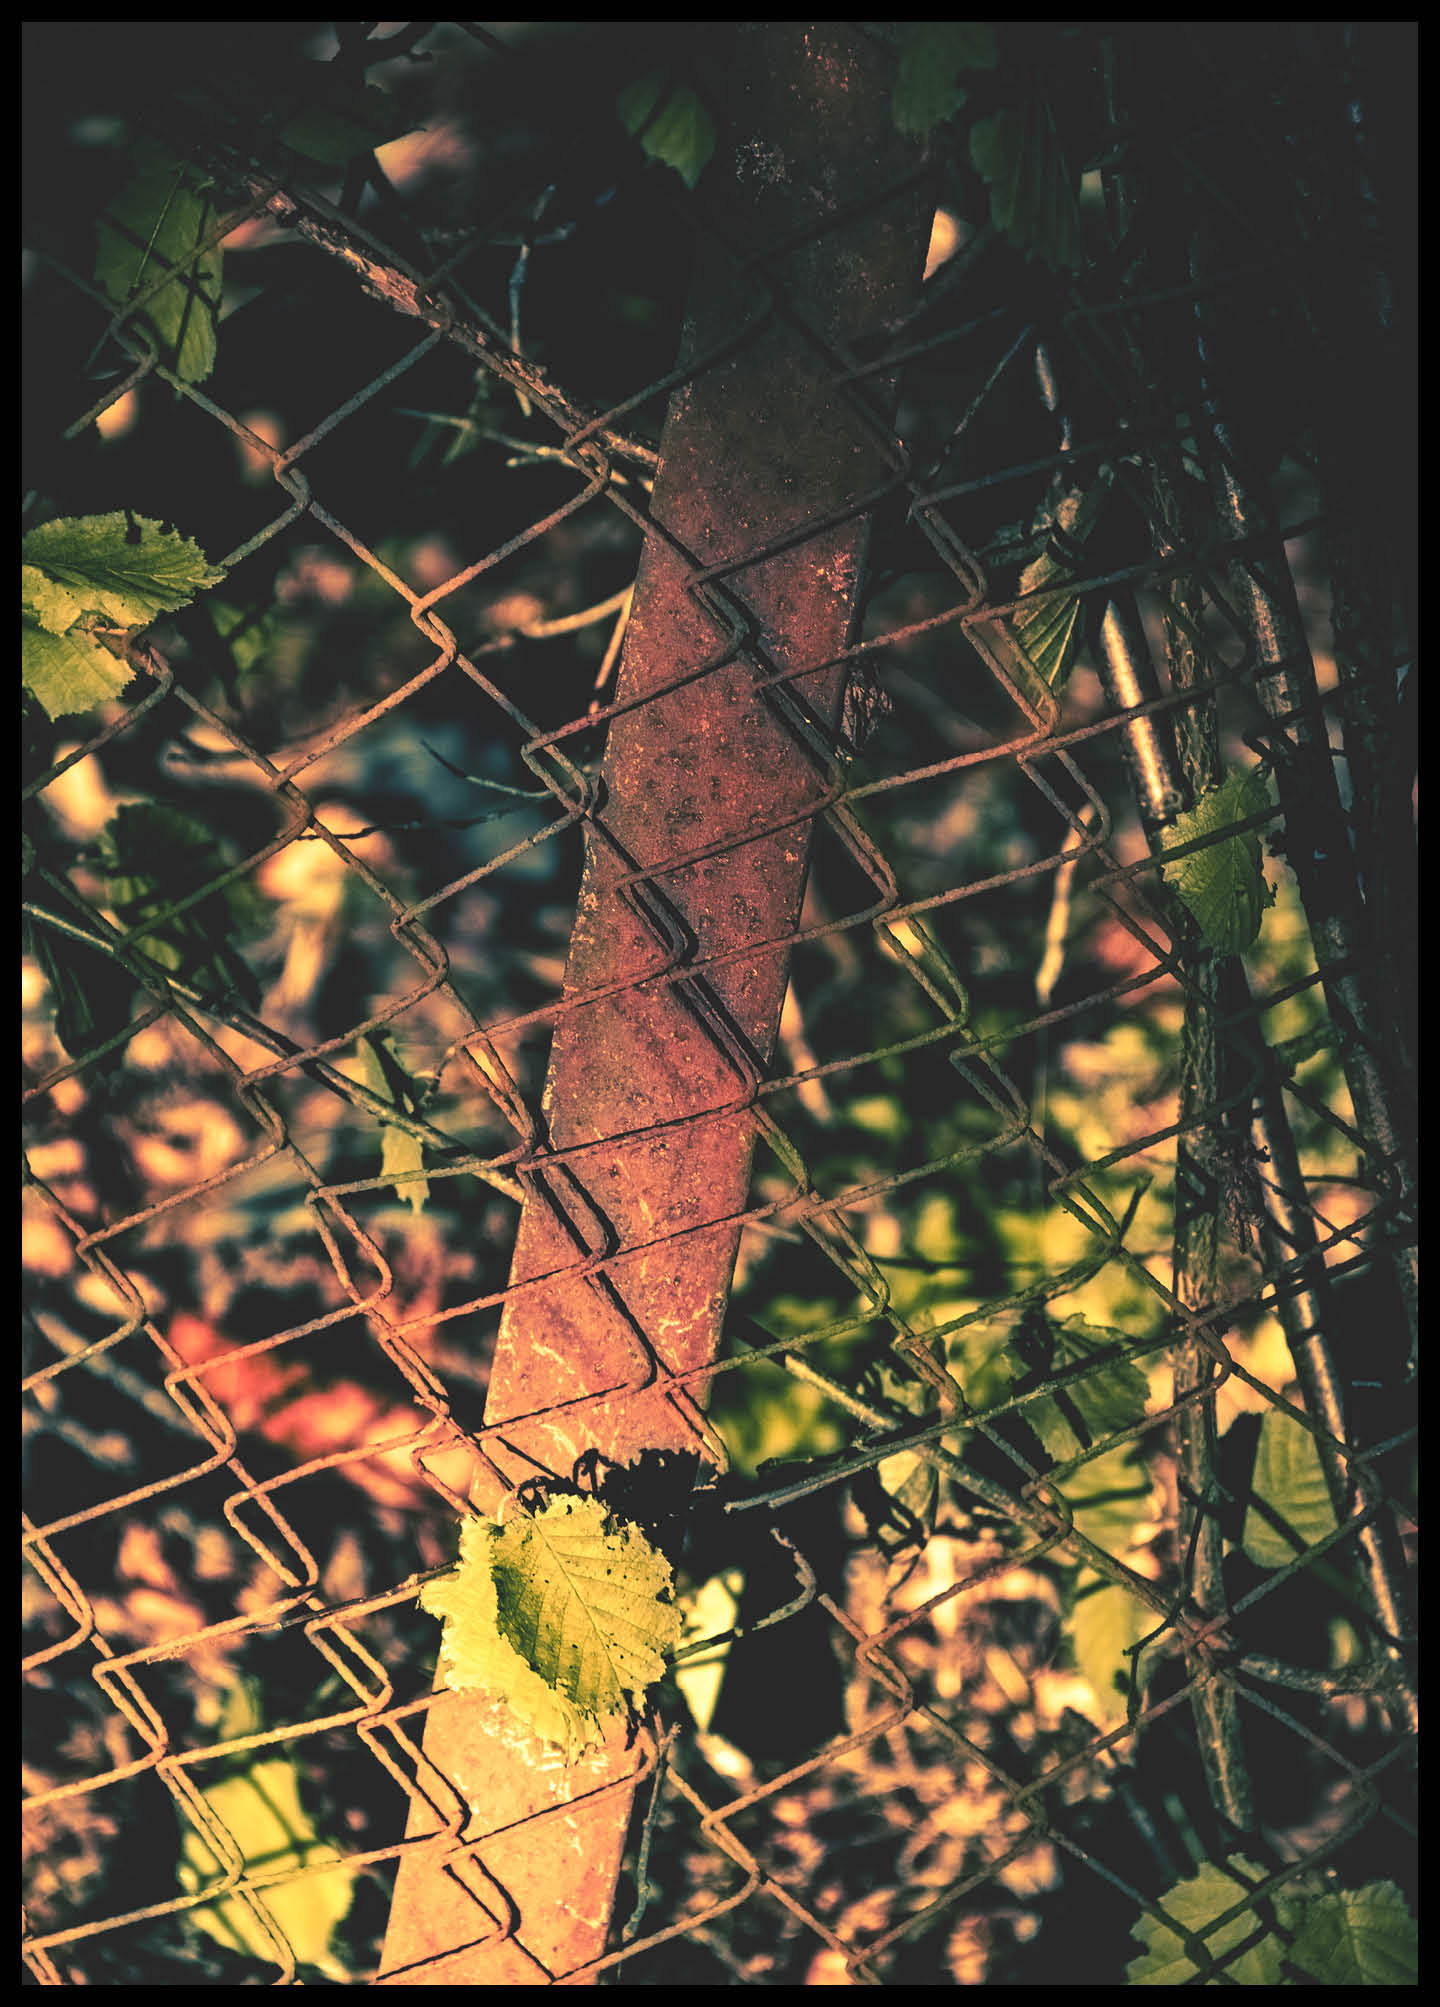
<point>697,849</point>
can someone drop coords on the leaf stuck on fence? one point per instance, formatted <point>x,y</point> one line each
<point>567,1616</point>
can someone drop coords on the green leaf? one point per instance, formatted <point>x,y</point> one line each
<point>89,995</point>
<point>68,674</point>
<point>933,55</point>
<point>1223,885</point>
<point>79,574</point>
<point>1358,1937</point>
<point>46,602</point>
<point>247,634</point>
<point>1105,1623</point>
<point>1106,1398</point>
<point>400,1151</point>
<point>671,123</point>
<point>912,1483</point>
<point>1109,1497</point>
<point>1195,1904</point>
<point>712,1610</point>
<point>1017,152</point>
<point>1050,633</point>
<point>565,1616</point>
<point>120,568</point>
<point>1290,1479</point>
<point>400,1154</point>
<point>150,231</point>
<point>1351,1937</point>
<point>152,856</point>
<point>262,1812</point>
<point>980,1356</point>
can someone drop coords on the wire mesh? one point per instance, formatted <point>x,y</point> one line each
<point>1051,1547</point>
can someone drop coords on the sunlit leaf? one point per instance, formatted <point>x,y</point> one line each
<point>68,674</point>
<point>912,1483</point>
<point>981,1358</point>
<point>1290,1479</point>
<point>566,1616</point>
<point>80,574</point>
<point>1223,885</point>
<point>262,1812</point>
<point>713,1610</point>
<point>1105,1623</point>
<point>400,1151</point>
<point>119,567</point>
<point>1351,1937</point>
<point>1109,1397</point>
<point>1109,1497</point>
<point>46,602</point>
<point>1195,1904</point>
<point>1050,632</point>
<point>1358,1937</point>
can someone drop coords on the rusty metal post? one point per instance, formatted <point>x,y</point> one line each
<point>698,848</point>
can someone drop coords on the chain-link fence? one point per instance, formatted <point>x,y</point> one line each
<point>599,764</point>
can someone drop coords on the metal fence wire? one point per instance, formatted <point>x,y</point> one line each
<point>617,940</point>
